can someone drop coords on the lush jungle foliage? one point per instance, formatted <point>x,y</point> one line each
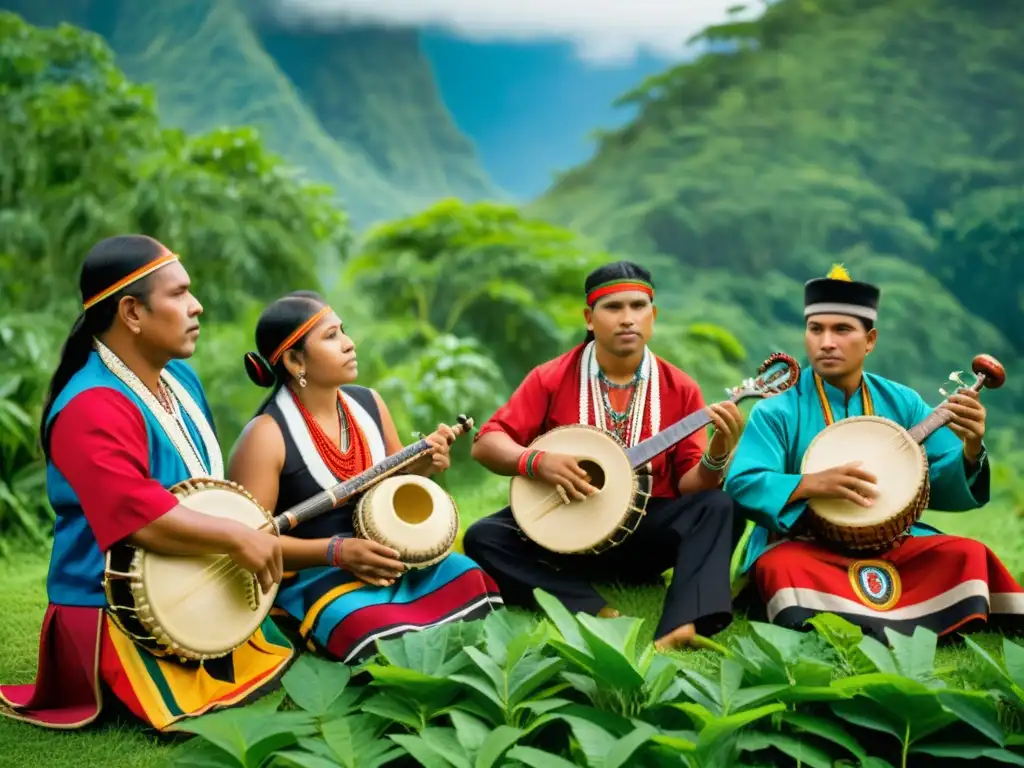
<point>451,305</point>
<point>886,134</point>
<point>565,690</point>
<point>356,109</point>
<point>448,307</point>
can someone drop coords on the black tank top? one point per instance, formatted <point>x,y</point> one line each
<point>297,483</point>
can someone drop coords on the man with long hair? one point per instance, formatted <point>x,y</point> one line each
<point>613,381</point>
<point>125,420</point>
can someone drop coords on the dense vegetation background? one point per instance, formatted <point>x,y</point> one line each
<point>886,135</point>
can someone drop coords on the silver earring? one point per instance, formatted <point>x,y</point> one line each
<point>302,378</point>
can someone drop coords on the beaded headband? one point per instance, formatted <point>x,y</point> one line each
<point>135,276</point>
<point>615,286</point>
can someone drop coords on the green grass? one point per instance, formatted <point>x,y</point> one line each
<point>24,573</point>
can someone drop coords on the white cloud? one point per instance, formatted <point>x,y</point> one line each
<point>602,31</point>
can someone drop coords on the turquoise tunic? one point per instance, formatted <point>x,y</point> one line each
<point>766,467</point>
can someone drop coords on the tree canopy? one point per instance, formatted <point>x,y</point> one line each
<point>886,135</point>
<point>83,156</point>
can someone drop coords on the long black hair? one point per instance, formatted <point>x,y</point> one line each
<point>108,262</point>
<point>277,322</point>
<point>617,270</point>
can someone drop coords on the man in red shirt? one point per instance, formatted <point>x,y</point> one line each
<point>612,380</point>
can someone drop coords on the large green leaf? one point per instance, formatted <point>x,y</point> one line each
<point>914,655</point>
<point>355,741</point>
<point>968,752</point>
<point>247,736</point>
<point>826,729</point>
<point>536,758</point>
<point>802,752</point>
<point>314,683</point>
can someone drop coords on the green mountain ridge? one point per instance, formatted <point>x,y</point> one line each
<point>362,113</point>
<point>884,135</point>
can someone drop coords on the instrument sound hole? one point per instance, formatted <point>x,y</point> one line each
<point>593,469</point>
<point>413,504</point>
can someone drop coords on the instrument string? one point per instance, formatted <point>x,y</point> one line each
<point>544,502</point>
<point>223,568</point>
<point>209,573</point>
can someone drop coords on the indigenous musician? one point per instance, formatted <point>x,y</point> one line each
<point>317,429</point>
<point>944,583</point>
<point>115,439</point>
<point>614,381</point>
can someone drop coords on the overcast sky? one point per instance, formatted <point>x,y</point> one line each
<point>601,31</point>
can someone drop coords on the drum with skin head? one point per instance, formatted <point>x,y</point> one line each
<point>890,453</point>
<point>411,514</point>
<point>195,607</point>
<point>582,526</point>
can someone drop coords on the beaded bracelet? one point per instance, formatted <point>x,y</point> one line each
<point>334,547</point>
<point>528,461</point>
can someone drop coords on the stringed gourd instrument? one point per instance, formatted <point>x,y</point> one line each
<point>896,457</point>
<point>205,606</point>
<point>607,518</point>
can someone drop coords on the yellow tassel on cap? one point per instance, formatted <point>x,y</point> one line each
<point>838,272</point>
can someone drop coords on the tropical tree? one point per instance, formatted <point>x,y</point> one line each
<point>83,156</point>
<point>482,270</point>
<point>885,135</point>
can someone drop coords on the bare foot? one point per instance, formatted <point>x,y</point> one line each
<point>677,637</point>
<point>608,613</point>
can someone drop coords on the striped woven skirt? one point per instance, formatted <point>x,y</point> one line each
<point>944,583</point>
<point>343,617</point>
<point>84,657</point>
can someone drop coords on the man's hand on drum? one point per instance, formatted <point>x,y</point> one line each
<point>440,456</point>
<point>371,562</point>
<point>968,421</point>
<point>259,552</point>
<point>564,472</point>
<point>728,423</point>
<point>848,481</point>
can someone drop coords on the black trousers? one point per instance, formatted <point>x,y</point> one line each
<point>692,535</point>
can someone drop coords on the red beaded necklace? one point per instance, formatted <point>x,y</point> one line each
<point>355,459</point>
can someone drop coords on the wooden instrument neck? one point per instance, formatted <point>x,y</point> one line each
<point>327,500</point>
<point>939,417</point>
<point>643,452</point>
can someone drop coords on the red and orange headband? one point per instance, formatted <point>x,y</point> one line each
<point>297,334</point>
<point>618,285</point>
<point>124,282</point>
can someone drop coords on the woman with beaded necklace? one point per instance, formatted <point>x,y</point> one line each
<point>316,429</point>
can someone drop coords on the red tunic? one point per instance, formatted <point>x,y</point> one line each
<point>549,398</point>
<point>99,444</point>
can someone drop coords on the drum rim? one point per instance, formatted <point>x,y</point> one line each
<point>914,501</point>
<point>524,481</point>
<point>137,582</point>
<point>431,556</point>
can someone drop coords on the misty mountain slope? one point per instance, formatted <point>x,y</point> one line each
<point>885,134</point>
<point>394,151</point>
<point>373,90</point>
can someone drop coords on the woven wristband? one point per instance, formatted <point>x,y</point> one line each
<point>528,462</point>
<point>533,462</point>
<point>334,551</point>
<point>521,466</point>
